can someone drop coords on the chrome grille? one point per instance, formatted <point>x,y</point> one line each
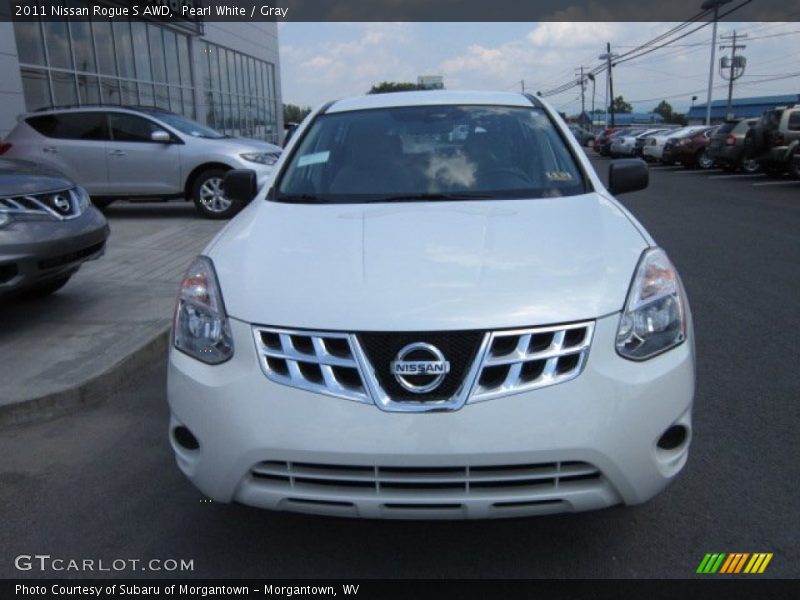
<point>427,482</point>
<point>321,362</point>
<point>506,362</point>
<point>525,359</point>
<point>61,205</point>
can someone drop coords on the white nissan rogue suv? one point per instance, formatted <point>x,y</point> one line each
<point>435,309</point>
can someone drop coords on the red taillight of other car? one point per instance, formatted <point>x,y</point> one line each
<point>730,140</point>
<point>4,148</point>
<point>777,139</point>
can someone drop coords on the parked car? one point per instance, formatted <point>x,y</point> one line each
<point>48,229</point>
<point>628,144</point>
<point>726,147</point>
<point>775,139</point>
<point>498,337</point>
<point>601,141</point>
<point>584,137</point>
<point>654,150</point>
<point>125,152</point>
<point>689,149</point>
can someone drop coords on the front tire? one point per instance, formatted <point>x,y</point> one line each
<point>703,161</point>
<point>749,165</point>
<point>209,198</point>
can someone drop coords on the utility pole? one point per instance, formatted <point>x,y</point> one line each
<point>715,4</point>
<point>608,57</point>
<point>736,67</point>
<point>591,77</point>
<point>583,91</point>
<point>522,84</point>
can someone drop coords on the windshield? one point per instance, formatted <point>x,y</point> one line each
<point>186,126</point>
<point>430,153</point>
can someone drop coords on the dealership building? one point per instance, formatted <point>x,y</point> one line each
<point>226,75</point>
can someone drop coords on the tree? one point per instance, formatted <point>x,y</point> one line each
<point>664,109</point>
<point>620,106</point>
<point>394,86</point>
<point>294,114</point>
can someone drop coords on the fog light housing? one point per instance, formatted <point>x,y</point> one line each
<point>185,438</point>
<point>673,438</point>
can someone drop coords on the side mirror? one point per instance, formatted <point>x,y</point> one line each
<point>240,185</point>
<point>160,136</point>
<point>627,175</point>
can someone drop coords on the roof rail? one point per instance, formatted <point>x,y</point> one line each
<point>102,105</point>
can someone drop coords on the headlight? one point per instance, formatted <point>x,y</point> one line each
<point>201,327</point>
<point>83,199</point>
<point>262,158</point>
<point>653,320</point>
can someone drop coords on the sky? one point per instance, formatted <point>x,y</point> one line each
<point>324,61</point>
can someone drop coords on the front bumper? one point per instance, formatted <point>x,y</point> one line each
<point>610,417</point>
<point>35,251</point>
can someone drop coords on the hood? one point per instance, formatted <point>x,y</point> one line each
<point>19,177</point>
<point>427,266</point>
<point>240,144</point>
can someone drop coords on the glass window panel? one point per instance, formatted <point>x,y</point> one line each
<point>213,59</point>
<point>175,102</point>
<point>56,37</point>
<point>88,89</point>
<point>30,47</point>
<point>82,46</point>
<point>146,94</point>
<point>72,126</point>
<point>128,94</point>
<point>104,42</point>
<point>142,55</point>
<point>122,43</point>
<point>188,103</point>
<point>239,76</point>
<point>110,90</point>
<point>130,128</point>
<point>171,54</point>
<point>64,91</point>
<point>183,60</point>
<point>162,97</point>
<point>251,67</point>
<point>205,73</point>
<point>231,71</point>
<point>227,106</point>
<point>36,87</point>
<point>157,53</point>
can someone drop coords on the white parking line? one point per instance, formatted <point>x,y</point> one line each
<point>795,182</point>
<point>701,171</point>
<point>738,176</point>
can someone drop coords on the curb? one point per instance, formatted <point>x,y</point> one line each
<point>91,392</point>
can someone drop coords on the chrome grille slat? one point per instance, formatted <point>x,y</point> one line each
<point>522,360</point>
<point>513,382</point>
<point>36,204</point>
<point>321,358</point>
<point>431,482</point>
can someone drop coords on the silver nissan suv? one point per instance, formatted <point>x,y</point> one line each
<point>129,152</point>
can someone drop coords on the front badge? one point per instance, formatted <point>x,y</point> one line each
<point>420,368</point>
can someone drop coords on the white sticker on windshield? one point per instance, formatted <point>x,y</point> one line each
<point>313,159</point>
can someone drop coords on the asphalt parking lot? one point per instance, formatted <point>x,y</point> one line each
<point>102,483</point>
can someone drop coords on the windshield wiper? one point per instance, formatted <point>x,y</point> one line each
<point>434,196</point>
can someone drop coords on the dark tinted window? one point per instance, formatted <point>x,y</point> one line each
<point>727,127</point>
<point>72,126</point>
<point>794,121</point>
<point>431,153</point>
<point>130,128</point>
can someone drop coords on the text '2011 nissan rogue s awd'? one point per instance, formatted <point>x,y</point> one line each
<point>436,310</point>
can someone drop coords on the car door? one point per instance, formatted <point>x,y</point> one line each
<point>137,165</point>
<point>74,143</point>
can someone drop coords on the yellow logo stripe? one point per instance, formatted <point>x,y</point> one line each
<point>765,563</point>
